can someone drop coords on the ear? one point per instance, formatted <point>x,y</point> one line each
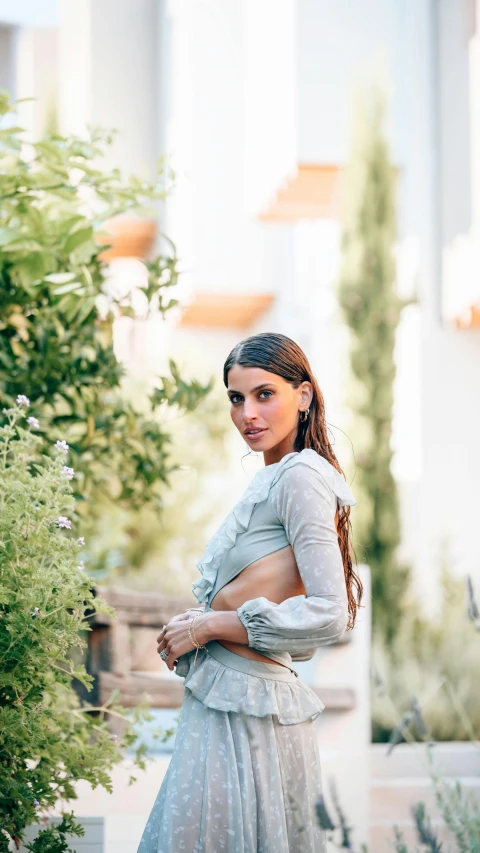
<point>306,389</point>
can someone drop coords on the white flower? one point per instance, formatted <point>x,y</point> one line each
<point>34,423</point>
<point>81,566</point>
<point>62,445</point>
<point>68,472</point>
<point>81,541</point>
<point>62,521</point>
<point>36,805</point>
<point>23,401</point>
<point>34,611</point>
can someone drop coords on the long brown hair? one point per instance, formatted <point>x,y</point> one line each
<point>281,355</point>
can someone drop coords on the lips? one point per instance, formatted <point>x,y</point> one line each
<point>254,432</point>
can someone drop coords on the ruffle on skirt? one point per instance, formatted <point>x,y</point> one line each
<point>224,681</point>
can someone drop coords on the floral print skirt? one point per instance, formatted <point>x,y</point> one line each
<point>244,776</point>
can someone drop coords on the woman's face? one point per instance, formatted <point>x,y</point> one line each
<point>265,409</point>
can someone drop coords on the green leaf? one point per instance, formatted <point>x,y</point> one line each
<point>9,235</point>
<point>10,131</point>
<point>70,305</point>
<point>6,595</point>
<point>60,277</point>
<point>68,288</point>
<point>32,268</point>
<point>78,238</point>
<point>22,244</point>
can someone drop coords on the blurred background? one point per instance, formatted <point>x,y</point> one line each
<point>323,165</point>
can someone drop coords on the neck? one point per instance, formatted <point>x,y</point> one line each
<point>271,457</point>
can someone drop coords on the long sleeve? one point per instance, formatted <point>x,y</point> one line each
<point>305,503</point>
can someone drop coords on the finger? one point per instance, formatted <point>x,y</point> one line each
<point>167,651</point>
<point>171,660</point>
<point>162,645</point>
<point>161,634</point>
<point>181,617</point>
<point>162,641</point>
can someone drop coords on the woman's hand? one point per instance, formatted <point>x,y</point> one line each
<point>175,639</point>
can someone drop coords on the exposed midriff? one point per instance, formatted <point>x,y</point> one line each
<point>275,576</point>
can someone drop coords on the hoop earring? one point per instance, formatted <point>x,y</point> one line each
<point>306,413</point>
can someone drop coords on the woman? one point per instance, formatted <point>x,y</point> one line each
<point>277,582</point>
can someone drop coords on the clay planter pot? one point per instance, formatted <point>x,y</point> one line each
<point>470,319</point>
<point>128,237</point>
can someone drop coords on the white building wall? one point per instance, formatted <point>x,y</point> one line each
<point>30,13</point>
<point>28,59</point>
<point>231,134</point>
<point>7,76</point>
<point>109,76</point>
<point>334,43</point>
<point>449,497</point>
<point>337,47</point>
<point>437,405</point>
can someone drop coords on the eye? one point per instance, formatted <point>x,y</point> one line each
<point>235,397</point>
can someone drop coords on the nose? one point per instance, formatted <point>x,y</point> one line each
<point>249,410</point>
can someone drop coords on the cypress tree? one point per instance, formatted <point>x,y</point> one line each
<point>371,309</point>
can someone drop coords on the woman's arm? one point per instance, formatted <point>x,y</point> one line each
<point>296,624</point>
<point>221,625</point>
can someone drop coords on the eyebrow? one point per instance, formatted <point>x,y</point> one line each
<point>257,388</point>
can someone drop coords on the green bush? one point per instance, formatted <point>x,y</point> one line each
<point>53,839</point>
<point>48,738</point>
<point>136,548</point>
<point>435,660</point>
<point>56,326</point>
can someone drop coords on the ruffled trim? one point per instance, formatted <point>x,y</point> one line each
<point>239,518</point>
<point>225,689</point>
<point>335,480</point>
<point>225,536</point>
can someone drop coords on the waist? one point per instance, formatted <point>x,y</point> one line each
<point>252,667</point>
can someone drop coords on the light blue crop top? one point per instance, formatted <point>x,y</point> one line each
<point>293,501</point>
<point>265,534</point>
